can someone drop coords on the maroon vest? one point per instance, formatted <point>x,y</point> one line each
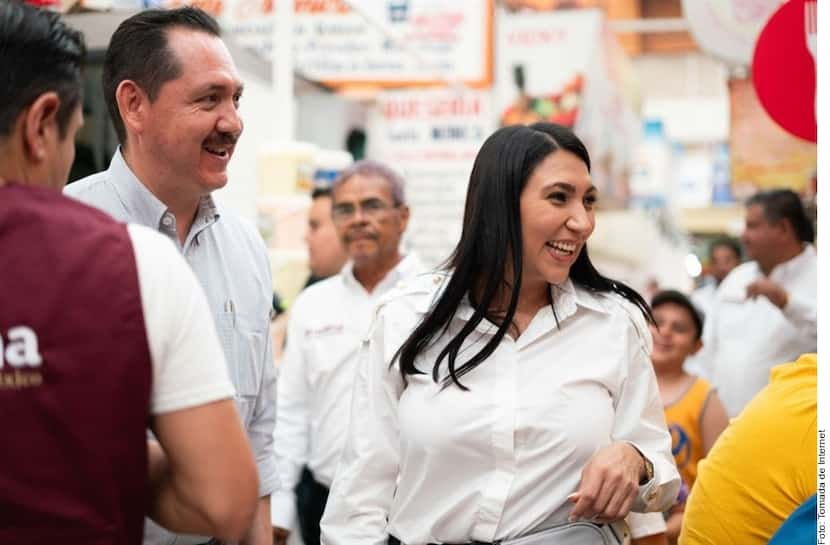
<point>75,375</point>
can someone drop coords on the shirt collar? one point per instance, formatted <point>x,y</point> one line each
<point>581,297</point>
<point>208,211</point>
<point>144,207</point>
<point>566,296</point>
<point>408,266</point>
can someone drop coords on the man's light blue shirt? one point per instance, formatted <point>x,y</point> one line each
<point>231,262</point>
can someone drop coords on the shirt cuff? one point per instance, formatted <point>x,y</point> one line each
<point>283,509</point>
<point>647,497</point>
<point>646,524</point>
<point>269,480</point>
<point>660,492</point>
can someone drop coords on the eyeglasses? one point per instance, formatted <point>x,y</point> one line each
<point>370,208</point>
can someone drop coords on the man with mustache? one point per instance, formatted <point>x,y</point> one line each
<point>327,324</point>
<point>173,95</point>
<point>766,309</point>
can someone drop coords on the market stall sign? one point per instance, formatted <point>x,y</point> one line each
<point>784,69</point>
<point>396,43</point>
<point>432,136</point>
<point>372,43</point>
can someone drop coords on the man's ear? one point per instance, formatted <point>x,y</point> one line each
<point>785,228</point>
<point>404,211</point>
<point>132,104</point>
<point>40,125</point>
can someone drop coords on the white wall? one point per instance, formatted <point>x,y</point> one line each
<point>689,93</point>
<point>241,192</point>
<point>322,118</point>
<point>325,119</point>
<point>627,245</point>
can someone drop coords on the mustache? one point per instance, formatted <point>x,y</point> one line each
<point>359,233</point>
<point>222,138</point>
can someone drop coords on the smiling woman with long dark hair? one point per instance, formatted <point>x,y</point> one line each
<point>512,392</point>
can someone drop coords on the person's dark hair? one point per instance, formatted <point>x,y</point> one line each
<point>676,298</point>
<point>779,204</point>
<point>491,243</point>
<point>38,53</point>
<point>320,191</point>
<point>726,242</point>
<point>138,51</point>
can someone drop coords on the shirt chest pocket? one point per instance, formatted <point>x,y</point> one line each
<point>327,351</point>
<point>244,344</point>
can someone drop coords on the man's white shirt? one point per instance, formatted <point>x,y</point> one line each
<point>328,320</point>
<point>745,338</point>
<point>704,297</point>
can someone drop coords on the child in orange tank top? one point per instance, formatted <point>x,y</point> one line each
<point>684,417</point>
<point>694,413</point>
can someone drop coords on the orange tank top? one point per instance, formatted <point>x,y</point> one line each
<point>684,418</point>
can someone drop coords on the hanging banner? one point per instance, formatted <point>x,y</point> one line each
<point>396,42</point>
<point>566,67</point>
<point>375,42</point>
<point>432,137</point>
<point>542,58</point>
<point>550,5</point>
<point>728,29</point>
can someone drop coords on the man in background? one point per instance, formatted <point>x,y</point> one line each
<point>327,323</point>
<point>765,310</point>
<point>326,254</point>
<point>724,255</point>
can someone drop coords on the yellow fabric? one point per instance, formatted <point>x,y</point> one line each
<point>683,419</point>
<point>762,467</point>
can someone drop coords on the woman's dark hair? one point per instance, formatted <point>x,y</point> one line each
<point>491,243</point>
<point>39,53</point>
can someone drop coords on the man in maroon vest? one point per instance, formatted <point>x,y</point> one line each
<point>104,332</point>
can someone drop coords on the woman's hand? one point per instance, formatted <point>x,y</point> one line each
<point>609,484</point>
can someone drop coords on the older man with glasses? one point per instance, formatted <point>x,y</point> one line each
<point>328,321</point>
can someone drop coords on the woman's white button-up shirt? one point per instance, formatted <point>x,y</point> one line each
<point>429,464</point>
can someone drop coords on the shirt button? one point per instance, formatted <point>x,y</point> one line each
<point>167,221</point>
